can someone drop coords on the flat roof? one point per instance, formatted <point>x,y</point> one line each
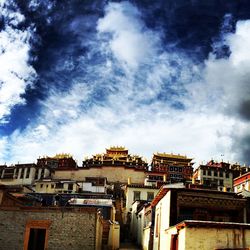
<point>172,156</point>
<point>142,186</point>
<point>164,189</point>
<point>214,224</point>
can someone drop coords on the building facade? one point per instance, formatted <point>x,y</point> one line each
<point>59,161</point>
<point>116,156</point>
<point>172,206</point>
<point>176,168</point>
<point>139,193</point>
<point>218,175</point>
<point>23,174</point>
<point>56,186</point>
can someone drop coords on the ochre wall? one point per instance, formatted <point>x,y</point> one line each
<point>207,238</point>
<point>216,238</point>
<point>113,174</point>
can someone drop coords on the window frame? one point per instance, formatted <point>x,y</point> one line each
<point>36,224</point>
<point>138,192</point>
<point>152,194</point>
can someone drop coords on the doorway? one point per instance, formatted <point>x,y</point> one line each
<point>37,239</point>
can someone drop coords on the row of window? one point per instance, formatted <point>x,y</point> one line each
<point>169,168</point>
<point>215,173</point>
<point>213,182</point>
<point>42,174</point>
<point>175,169</point>
<point>20,173</point>
<point>27,175</point>
<point>177,176</point>
<point>137,195</point>
<point>57,186</point>
<point>155,177</point>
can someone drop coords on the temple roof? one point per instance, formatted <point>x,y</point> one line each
<point>172,156</point>
<point>58,156</point>
<point>117,148</point>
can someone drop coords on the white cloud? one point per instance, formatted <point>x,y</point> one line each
<point>132,114</point>
<point>15,72</point>
<point>196,135</point>
<point>131,42</point>
<point>227,80</point>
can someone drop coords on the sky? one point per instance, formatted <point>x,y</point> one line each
<point>170,76</point>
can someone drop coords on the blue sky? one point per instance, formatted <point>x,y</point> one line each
<point>167,76</point>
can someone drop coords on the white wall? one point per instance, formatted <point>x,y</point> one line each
<point>130,195</point>
<point>87,186</point>
<point>162,210</point>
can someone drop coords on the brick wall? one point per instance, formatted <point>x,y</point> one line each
<point>72,229</point>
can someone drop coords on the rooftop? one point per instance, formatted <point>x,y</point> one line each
<point>116,148</point>
<point>174,156</point>
<point>164,189</point>
<point>198,223</point>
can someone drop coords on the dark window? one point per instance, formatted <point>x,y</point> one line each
<point>36,174</point>
<point>8,173</point>
<point>221,182</point>
<point>227,175</point>
<point>21,174</point>
<point>180,169</point>
<point>137,195</point>
<point>150,196</point>
<point>209,172</point>
<point>59,185</point>
<point>37,239</point>
<point>27,173</point>
<point>70,186</point>
<point>171,168</point>
<point>41,185</point>
<point>42,174</point>
<point>176,169</point>
<point>221,174</point>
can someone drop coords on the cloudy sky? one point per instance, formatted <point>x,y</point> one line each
<point>155,76</point>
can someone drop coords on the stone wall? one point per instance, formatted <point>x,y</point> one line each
<point>72,229</point>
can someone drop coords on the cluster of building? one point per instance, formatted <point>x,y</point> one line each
<point>115,197</point>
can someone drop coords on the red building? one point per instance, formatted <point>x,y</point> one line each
<point>59,161</point>
<point>174,168</point>
<point>116,156</point>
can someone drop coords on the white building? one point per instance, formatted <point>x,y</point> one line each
<point>56,186</point>
<point>22,174</point>
<point>217,176</point>
<point>214,217</point>
<point>139,193</point>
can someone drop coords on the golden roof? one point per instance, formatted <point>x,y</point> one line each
<point>116,148</point>
<point>62,156</point>
<point>173,156</point>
